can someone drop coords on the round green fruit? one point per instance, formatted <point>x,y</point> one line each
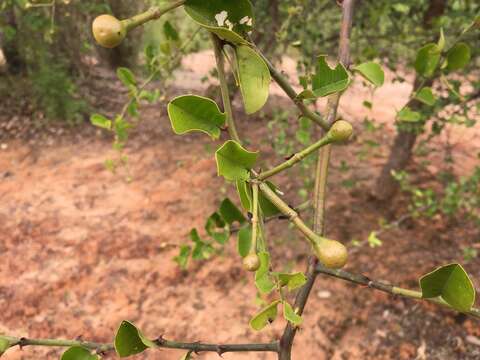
<point>341,130</point>
<point>331,253</point>
<point>108,31</point>
<point>251,262</point>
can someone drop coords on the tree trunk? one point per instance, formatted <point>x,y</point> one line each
<point>386,186</point>
<point>14,62</point>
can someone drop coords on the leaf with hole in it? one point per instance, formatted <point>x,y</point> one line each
<point>101,121</point>
<point>372,72</point>
<point>230,20</point>
<point>195,113</point>
<point>130,341</point>
<point>230,212</point>
<point>292,281</point>
<point>408,115</point>
<point>328,81</point>
<point>452,283</point>
<point>244,241</point>
<point>126,77</point>
<point>290,315</point>
<point>234,162</point>
<point>458,57</point>
<point>254,78</point>
<point>427,59</point>
<point>425,95</point>
<point>263,281</point>
<point>78,353</point>
<point>266,316</point>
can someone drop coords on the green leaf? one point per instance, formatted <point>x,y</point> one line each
<point>101,121</point>
<point>130,341</point>
<point>425,95</point>
<point>266,316</point>
<point>267,207</point>
<point>244,241</point>
<point>78,353</point>
<point>263,282</point>
<point>254,78</point>
<point>408,115</point>
<point>187,356</point>
<point>427,59</point>
<point>373,240</point>
<point>292,281</point>
<point>234,162</point>
<point>245,194</point>
<point>290,315</point>
<point>216,228</point>
<point>452,283</point>
<point>230,212</point>
<point>126,76</point>
<point>441,41</point>
<point>230,20</point>
<point>401,8</point>
<point>4,345</point>
<point>195,113</point>
<point>182,258</point>
<point>458,57</point>
<point>371,71</point>
<point>327,80</point>
<point>170,32</point>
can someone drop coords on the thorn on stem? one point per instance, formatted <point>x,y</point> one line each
<point>160,340</point>
<point>289,157</point>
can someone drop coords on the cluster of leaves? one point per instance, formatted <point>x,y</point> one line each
<point>45,44</point>
<point>460,197</point>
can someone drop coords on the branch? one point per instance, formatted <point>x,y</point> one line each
<point>227,105</point>
<point>287,211</point>
<point>161,343</point>
<point>299,156</point>
<point>387,288</point>
<point>153,13</point>
<point>321,175</point>
<point>292,94</point>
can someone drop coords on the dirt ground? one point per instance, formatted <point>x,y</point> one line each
<point>83,249</point>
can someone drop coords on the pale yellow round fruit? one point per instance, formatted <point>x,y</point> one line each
<point>108,31</point>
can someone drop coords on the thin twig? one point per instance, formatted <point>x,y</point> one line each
<point>292,94</point>
<point>387,288</point>
<point>161,343</point>
<point>227,105</point>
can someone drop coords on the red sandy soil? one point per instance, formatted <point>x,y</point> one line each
<point>83,249</point>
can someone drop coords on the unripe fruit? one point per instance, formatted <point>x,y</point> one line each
<point>251,262</point>
<point>108,31</point>
<point>331,253</point>
<point>341,130</point>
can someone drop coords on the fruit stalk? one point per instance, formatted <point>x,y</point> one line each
<point>340,131</point>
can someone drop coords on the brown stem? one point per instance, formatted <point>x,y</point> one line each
<point>301,299</point>
<point>161,343</point>
<point>360,279</point>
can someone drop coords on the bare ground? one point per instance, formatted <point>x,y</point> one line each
<point>82,249</point>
